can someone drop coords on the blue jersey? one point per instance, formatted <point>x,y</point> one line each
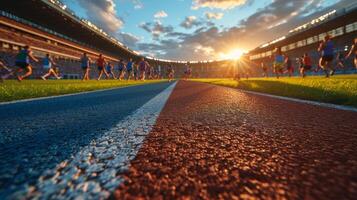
<point>85,61</point>
<point>279,59</point>
<point>23,56</point>
<point>46,62</point>
<point>129,66</point>
<point>121,66</point>
<point>328,49</point>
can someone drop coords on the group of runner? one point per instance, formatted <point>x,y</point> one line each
<point>125,70</point>
<point>326,50</point>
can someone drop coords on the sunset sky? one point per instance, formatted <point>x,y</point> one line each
<point>199,29</point>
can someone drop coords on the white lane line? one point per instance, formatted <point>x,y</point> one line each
<point>65,95</point>
<point>315,103</point>
<point>92,173</point>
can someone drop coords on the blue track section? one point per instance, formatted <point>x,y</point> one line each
<point>37,135</point>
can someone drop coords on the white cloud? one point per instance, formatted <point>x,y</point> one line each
<point>160,14</point>
<point>220,4</point>
<point>212,15</point>
<point>190,22</point>
<point>105,14</point>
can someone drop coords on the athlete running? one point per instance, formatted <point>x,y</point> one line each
<point>23,62</point>
<point>85,64</point>
<point>306,65</point>
<point>265,69</point>
<point>101,67</point>
<point>48,64</point>
<point>129,69</point>
<point>353,50</point>
<point>289,66</point>
<point>110,70</point>
<point>326,50</point>
<point>121,68</point>
<point>188,71</point>
<point>136,71</point>
<point>340,61</point>
<point>143,66</point>
<point>170,73</point>
<point>278,62</point>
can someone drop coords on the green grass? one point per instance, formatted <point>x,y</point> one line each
<point>340,89</point>
<point>12,90</point>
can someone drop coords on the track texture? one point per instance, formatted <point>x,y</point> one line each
<point>213,142</point>
<point>36,136</point>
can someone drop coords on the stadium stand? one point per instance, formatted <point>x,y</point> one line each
<point>341,25</point>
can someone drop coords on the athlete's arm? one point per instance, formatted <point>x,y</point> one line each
<point>351,51</point>
<point>32,57</point>
<point>322,45</point>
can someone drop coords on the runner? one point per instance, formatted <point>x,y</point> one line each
<point>23,62</point>
<point>48,64</point>
<point>121,68</point>
<point>159,72</point>
<point>340,61</point>
<point>353,50</point>
<point>326,50</point>
<point>265,69</point>
<point>100,66</point>
<point>289,66</point>
<point>306,65</point>
<point>143,66</point>
<point>85,64</point>
<point>136,71</point>
<point>110,70</point>
<point>188,71</point>
<point>170,72</point>
<point>278,62</point>
<point>129,68</point>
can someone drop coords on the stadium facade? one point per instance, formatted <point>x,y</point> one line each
<point>51,27</point>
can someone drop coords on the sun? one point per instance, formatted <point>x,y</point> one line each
<point>234,54</point>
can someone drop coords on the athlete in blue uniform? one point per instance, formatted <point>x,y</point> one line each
<point>48,64</point>
<point>85,63</point>
<point>278,62</point>
<point>129,68</point>
<point>23,62</point>
<point>326,50</point>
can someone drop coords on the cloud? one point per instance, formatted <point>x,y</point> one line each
<point>190,22</point>
<point>128,39</point>
<point>160,14</point>
<point>138,4</point>
<point>207,42</point>
<point>156,28</point>
<point>105,14</point>
<point>220,4</point>
<point>212,15</point>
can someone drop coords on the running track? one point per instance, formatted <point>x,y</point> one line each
<point>209,142</point>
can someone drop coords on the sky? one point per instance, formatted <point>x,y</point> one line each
<point>199,29</point>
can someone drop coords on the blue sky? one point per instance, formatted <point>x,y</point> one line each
<point>198,29</point>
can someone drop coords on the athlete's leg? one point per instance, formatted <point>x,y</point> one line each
<point>28,73</point>
<point>100,74</point>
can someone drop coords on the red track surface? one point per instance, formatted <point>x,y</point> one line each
<point>213,142</point>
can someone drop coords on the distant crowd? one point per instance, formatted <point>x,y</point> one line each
<point>326,51</point>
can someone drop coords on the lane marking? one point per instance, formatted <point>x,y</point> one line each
<point>315,103</point>
<point>67,95</point>
<point>92,173</point>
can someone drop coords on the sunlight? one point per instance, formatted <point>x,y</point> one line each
<point>235,54</point>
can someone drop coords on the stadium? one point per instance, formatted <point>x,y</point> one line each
<point>127,123</point>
